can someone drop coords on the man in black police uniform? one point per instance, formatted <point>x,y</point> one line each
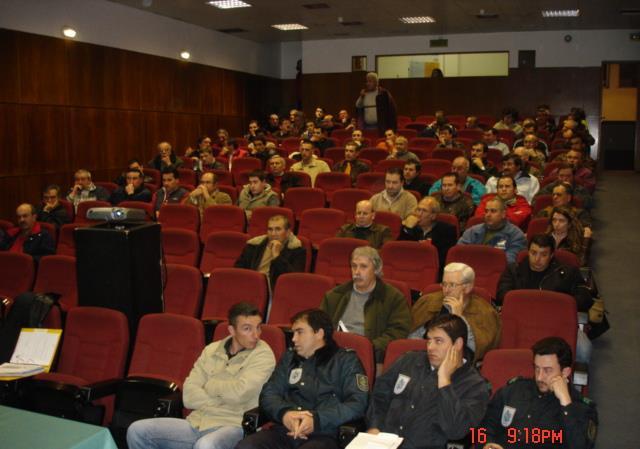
<point>546,406</point>
<point>315,388</point>
<point>431,400</point>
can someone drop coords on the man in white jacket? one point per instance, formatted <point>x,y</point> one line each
<point>225,381</point>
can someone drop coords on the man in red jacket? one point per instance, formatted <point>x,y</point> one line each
<point>518,209</point>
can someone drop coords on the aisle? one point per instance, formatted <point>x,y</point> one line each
<point>615,373</point>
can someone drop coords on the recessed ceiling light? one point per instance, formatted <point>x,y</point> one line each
<point>184,54</point>
<point>555,13</point>
<point>290,26</point>
<point>228,4</point>
<point>417,19</point>
<point>69,32</point>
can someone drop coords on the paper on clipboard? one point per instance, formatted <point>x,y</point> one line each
<point>36,346</point>
<point>380,441</point>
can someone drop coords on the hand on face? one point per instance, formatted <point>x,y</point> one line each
<point>451,362</point>
<point>130,189</point>
<point>560,388</point>
<point>455,303</point>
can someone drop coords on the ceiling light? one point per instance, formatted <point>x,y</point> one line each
<point>228,4</point>
<point>184,54</point>
<point>417,19</point>
<point>555,13</point>
<point>69,32</point>
<point>290,26</point>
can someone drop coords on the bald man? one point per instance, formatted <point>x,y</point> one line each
<point>460,166</point>
<point>364,228</point>
<point>28,237</point>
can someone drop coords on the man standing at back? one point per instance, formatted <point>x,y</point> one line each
<point>225,382</point>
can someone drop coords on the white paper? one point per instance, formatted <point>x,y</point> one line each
<point>36,346</point>
<point>19,369</point>
<point>380,441</point>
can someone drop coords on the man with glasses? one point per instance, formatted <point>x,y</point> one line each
<point>207,194</point>
<point>457,298</point>
<point>85,190</point>
<point>51,210</point>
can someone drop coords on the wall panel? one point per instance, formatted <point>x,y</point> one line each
<point>9,80</point>
<point>42,69</point>
<point>43,140</point>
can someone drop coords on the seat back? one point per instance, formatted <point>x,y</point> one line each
<point>299,199</point>
<point>346,200</point>
<point>436,167</point>
<point>334,257</point>
<point>530,315</point>
<point>332,181</point>
<point>153,174</point>
<point>450,219</point>
<point>374,155</point>
<point>397,348</point>
<point>222,218</point>
<point>472,221</point>
<point>187,176</point>
<point>336,154</point>
<point>501,365</point>
<point>371,181</point>
<point>180,246</point>
<point>488,263</point>
<point>57,274</point>
<point>385,164</point>
<point>66,239</point>
<point>51,230</point>
<point>228,286</point>
<point>260,219</point>
<point>179,216</point>
<point>107,185</point>
<point>95,344</point>
<point>402,288</point>
<point>223,177</point>
<point>412,262</point>
<point>391,220</point>
<point>541,202</point>
<point>364,350</point>
<point>183,290</point>
<point>426,143</point>
<point>537,226</point>
<point>287,300</point>
<point>18,272</point>
<point>222,249</point>
<point>448,154</point>
<point>83,207</point>
<point>272,335</point>
<point>166,347</point>
<point>320,224</point>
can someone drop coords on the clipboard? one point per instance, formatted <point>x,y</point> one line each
<point>33,354</point>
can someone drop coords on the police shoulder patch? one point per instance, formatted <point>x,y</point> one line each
<point>592,430</point>
<point>362,381</point>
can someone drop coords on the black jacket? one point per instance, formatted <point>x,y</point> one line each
<point>443,236</point>
<point>357,167</point>
<point>331,384</point>
<point>140,194</point>
<point>56,216</point>
<point>292,258</point>
<point>557,278</point>
<point>542,412</point>
<point>287,181</point>
<point>406,401</point>
<point>38,244</point>
<point>418,185</point>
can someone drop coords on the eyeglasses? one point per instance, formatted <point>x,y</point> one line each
<point>447,285</point>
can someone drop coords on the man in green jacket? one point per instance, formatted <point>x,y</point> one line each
<point>366,305</point>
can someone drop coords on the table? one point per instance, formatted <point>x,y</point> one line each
<point>20,429</point>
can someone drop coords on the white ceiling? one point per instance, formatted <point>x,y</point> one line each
<point>380,17</point>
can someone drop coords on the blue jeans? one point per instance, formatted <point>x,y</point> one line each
<point>174,433</point>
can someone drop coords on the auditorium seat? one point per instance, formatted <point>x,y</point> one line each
<point>334,258</point>
<point>18,272</point>
<point>487,262</point>
<point>448,154</point>
<point>57,274</point>
<point>501,365</point>
<point>299,199</point>
<point>295,292</point>
<point>187,175</point>
<point>332,181</point>
<point>421,153</point>
<point>308,247</point>
<point>222,218</point>
<point>260,219</point>
<point>391,220</point>
<point>473,134</point>
<point>180,246</point>
<point>320,224</point>
<point>397,348</point>
<point>228,286</point>
<point>449,219</point>
<point>108,186</point>
<point>291,144</point>
<point>402,288</point>
<point>221,250</point>
<point>182,290</point>
<point>411,262</point>
<point>537,226</point>
<point>426,143</point>
<point>179,216</point>
<point>244,164</point>
<point>51,230</point>
<point>223,177</point>
<point>153,174</point>
<point>66,239</point>
<point>364,350</point>
<point>472,221</point>
<point>408,133</point>
<point>346,200</point>
<point>436,167</point>
<point>336,154</point>
<point>6,224</point>
<point>386,164</point>
<point>83,207</point>
<point>374,155</point>
<point>373,182</point>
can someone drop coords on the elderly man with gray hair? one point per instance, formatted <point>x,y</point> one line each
<point>375,107</point>
<point>368,306</point>
<point>457,298</point>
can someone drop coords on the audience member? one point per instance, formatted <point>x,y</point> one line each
<point>320,141</point>
<point>452,200</point>
<point>207,194</point>
<point>565,173</point>
<point>278,178</point>
<point>468,184</point>
<point>309,163</point>
<point>224,382</point>
<point>85,190</point>
<point>51,210</point>
<point>400,150</point>
<point>165,158</point>
<point>260,151</point>
<point>518,209</point>
<point>546,402</point>
<point>446,140</point>
<point>480,165</point>
<point>509,121</point>
<point>273,124</point>
<point>351,165</point>
<point>28,237</point>
<point>171,192</point>
<point>432,397</point>
<point>496,231</point>
<point>490,137</point>
<point>513,166</point>
<point>257,193</point>
<point>457,298</point>
<point>562,196</point>
<point>135,163</point>
<point>368,306</point>
<point>568,233</point>
<point>315,388</point>
<point>364,227</point>
<point>135,189</point>
<point>277,252</point>
<point>412,181</point>
<point>394,198</point>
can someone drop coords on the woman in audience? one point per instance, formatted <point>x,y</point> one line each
<point>567,232</point>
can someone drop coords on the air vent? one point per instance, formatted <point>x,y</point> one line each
<point>630,12</point>
<point>352,23</point>
<point>232,30</point>
<point>316,6</point>
<point>439,43</point>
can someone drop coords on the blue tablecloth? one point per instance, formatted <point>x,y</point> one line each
<point>20,429</point>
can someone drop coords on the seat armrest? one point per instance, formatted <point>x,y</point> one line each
<point>252,420</point>
<point>169,405</point>
<point>349,430</point>
<point>91,392</point>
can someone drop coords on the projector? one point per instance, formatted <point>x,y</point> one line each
<point>116,214</point>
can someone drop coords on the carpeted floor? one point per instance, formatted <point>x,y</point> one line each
<point>615,367</point>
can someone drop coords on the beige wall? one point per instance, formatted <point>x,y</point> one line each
<point>618,103</point>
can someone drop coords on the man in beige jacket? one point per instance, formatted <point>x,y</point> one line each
<point>225,381</point>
